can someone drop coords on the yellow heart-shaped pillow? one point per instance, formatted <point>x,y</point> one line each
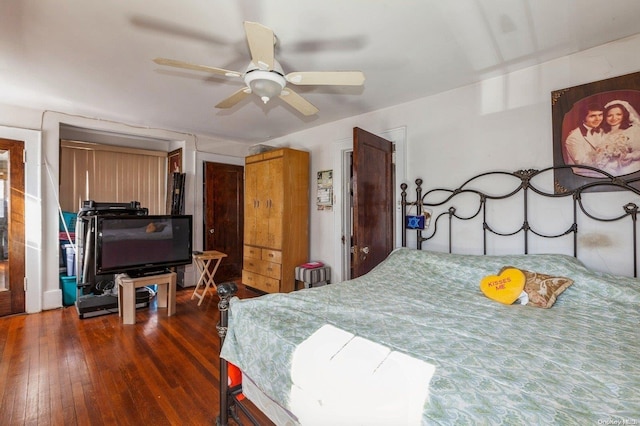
<point>504,288</point>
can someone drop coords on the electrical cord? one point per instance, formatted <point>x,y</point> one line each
<point>152,293</point>
<point>104,285</point>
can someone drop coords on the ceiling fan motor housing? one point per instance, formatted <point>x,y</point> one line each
<point>265,84</point>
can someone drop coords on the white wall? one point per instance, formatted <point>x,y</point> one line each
<point>502,123</point>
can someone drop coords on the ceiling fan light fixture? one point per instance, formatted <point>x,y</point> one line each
<point>265,84</point>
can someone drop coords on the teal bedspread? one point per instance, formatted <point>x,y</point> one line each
<point>575,363</point>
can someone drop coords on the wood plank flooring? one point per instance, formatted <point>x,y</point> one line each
<point>57,369</point>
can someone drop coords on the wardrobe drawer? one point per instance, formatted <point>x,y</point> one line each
<point>252,252</point>
<point>272,255</point>
<point>260,282</point>
<point>251,264</point>
<point>262,267</point>
<point>271,269</point>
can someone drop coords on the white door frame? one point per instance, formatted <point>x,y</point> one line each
<point>343,151</point>
<point>33,256</point>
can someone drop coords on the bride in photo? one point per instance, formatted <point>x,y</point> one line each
<point>619,151</point>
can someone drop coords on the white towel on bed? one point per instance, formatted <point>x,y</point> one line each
<point>342,379</point>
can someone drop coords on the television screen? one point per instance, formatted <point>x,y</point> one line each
<point>142,244</point>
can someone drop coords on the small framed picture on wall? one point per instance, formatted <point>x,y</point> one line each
<point>324,192</point>
<point>175,161</point>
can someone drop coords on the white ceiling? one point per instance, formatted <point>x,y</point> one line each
<point>94,58</point>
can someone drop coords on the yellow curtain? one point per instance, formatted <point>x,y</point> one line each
<point>107,173</point>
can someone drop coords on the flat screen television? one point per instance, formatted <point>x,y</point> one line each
<point>142,245</point>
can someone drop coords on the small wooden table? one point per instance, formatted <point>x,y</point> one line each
<point>203,261</point>
<point>166,296</point>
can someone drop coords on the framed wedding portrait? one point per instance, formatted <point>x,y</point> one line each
<point>597,125</point>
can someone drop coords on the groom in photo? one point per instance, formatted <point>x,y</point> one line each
<point>581,143</point>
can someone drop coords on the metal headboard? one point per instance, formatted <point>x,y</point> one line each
<point>608,182</point>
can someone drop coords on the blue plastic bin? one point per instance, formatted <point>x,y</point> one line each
<point>70,220</point>
<point>69,288</point>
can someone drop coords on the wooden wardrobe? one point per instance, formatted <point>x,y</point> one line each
<point>276,219</point>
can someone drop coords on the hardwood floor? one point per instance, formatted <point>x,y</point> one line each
<point>57,369</point>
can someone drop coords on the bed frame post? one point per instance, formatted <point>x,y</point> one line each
<point>225,291</point>
<point>419,210</point>
<point>632,210</point>
<point>403,204</point>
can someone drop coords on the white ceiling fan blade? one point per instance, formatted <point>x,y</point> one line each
<point>298,102</point>
<point>261,44</point>
<point>235,98</point>
<point>334,78</point>
<point>187,65</point>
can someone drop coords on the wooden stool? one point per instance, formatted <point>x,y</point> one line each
<point>203,261</point>
<point>311,276</point>
<point>166,296</point>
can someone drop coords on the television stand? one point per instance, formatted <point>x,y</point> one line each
<point>166,296</point>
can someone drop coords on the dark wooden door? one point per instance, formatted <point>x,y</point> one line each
<point>372,201</point>
<point>12,270</point>
<point>223,216</point>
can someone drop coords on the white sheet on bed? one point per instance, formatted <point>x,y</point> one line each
<point>337,377</point>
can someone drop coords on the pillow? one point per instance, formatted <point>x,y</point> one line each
<point>543,289</point>
<point>506,287</point>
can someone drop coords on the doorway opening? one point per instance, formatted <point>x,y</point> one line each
<point>223,215</point>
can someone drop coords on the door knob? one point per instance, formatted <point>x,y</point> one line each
<point>364,251</point>
<point>211,231</point>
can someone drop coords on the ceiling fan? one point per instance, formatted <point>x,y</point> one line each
<point>264,75</point>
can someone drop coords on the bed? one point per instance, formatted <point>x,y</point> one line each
<point>428,347</point>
